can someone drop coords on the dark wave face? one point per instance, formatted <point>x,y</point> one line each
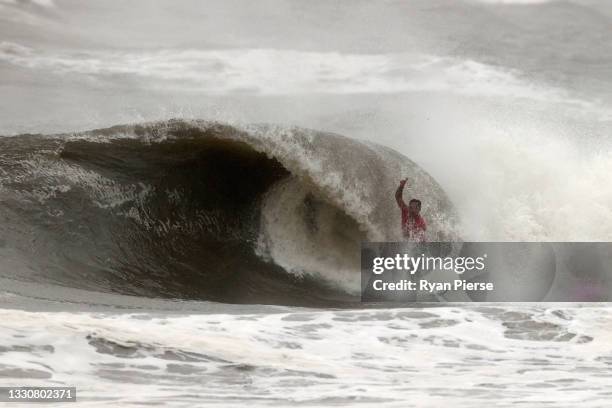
<point>197,210</point>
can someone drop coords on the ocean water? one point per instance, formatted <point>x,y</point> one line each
<point>426,357</point>
<point>183,195</point>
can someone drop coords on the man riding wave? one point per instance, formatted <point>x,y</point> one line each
<point>413,225</point>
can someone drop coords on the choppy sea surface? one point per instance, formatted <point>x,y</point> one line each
<point>464,355</point>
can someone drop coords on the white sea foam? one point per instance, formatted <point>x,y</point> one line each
<point>519,354</point>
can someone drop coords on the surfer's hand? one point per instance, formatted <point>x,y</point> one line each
<point>403,181</point>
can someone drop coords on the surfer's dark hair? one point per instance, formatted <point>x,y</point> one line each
<point>414,200</point>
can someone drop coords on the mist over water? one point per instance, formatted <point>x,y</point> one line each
<point>522,151</point>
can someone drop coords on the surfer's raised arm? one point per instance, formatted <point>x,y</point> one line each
<point>399,192</point>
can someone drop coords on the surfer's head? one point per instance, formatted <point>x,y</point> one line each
<point>414,206</point>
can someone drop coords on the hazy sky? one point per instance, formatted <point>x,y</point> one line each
<point>99,55</point>
<point>356,25</point>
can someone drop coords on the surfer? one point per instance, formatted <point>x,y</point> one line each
<point>413,225</point>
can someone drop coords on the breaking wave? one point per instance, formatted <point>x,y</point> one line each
<point>203,210</point>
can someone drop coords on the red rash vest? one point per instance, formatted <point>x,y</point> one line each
<point>413,228</point>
